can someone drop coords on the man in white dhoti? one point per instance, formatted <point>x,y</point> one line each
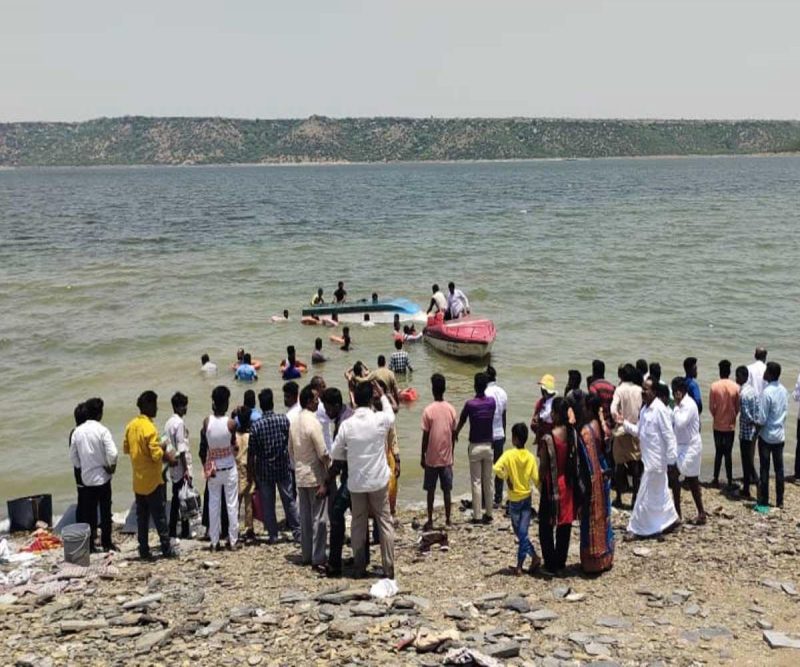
<point>654,511</point>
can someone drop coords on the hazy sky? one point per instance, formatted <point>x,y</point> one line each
<point>80,59</point>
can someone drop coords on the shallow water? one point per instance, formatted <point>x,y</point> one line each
<point>115,280</point>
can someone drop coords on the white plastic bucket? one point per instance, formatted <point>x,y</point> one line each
<point>76,543</point>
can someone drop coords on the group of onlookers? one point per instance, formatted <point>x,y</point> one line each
<point>326,456</point>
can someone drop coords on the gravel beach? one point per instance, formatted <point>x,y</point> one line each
<point>724,593</point>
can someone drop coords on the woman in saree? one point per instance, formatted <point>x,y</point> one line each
<point>597,535</point>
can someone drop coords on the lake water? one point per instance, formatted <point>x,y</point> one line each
<point>113,281</point>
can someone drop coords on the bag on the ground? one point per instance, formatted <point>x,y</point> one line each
<point>189,502</point>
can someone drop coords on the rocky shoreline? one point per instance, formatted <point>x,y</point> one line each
<point>724,593</point>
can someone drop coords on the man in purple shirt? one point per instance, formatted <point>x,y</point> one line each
<point>480,411</point>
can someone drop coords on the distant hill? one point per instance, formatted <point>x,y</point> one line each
<point>171,141</point>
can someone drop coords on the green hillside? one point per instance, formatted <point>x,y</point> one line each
<point>140,140</point>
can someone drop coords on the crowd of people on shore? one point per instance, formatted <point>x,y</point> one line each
<point>331,453</point>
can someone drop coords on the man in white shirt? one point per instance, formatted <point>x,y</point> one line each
<point>438,301</point>
<point>207,367</point>
<point>457,302</point>
<point>654,511</point>
<point>92,449</point>
<point>500,397</point>
<point>361,442</point>
<point>291,401</point>
<point>756,371</point>
<point>181,472</point>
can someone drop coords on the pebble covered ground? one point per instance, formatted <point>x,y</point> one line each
<point>723,593</point>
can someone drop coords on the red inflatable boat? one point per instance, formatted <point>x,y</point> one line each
<point>468,337</point>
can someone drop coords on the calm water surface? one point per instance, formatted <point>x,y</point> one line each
<point>113,281</point>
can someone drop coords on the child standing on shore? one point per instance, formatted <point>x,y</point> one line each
<point>520,469</point>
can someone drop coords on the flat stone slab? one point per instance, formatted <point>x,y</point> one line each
<point>507,649</point>
<point>152,639</point>
<point>213,628</point>
<point>541,615</point>
<point>368,609</point>
<point>81,626</point>
<point>292,596</point>
<point>518,604</point>
<point>145,601</point>
<point>343,597</point>
<point>613,622</point>
<point>714,632</point>
<point>780,640</point>
<point>595,648</point>
<point>347,628</point>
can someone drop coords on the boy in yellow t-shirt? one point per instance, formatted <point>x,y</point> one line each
<point>520,469</point>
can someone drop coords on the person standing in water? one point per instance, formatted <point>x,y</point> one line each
<point>340,294</point>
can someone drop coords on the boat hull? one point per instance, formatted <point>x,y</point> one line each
<point>391,306</point>
<point>468,337</point>
<point>460,349</point>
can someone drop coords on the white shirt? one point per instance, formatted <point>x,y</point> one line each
<point>325,422</point>
<point>546,413</point>
<point>686,423</point>
<point>796,392</point>
<point>656,437</point>
<point>756,377</point>
<point>441,300</point>
<point>500,397</point>
<point>178,435</point>
<point>361,442</point>
<point>209,368</point>
<point>292,414</point>
<point>92,449</point>
<point>457,302</point>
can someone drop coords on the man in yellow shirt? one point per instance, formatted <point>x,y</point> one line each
<point>143,445</point>
<point>520,469</point>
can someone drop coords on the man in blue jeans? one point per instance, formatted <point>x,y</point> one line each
<point>772,436</point>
